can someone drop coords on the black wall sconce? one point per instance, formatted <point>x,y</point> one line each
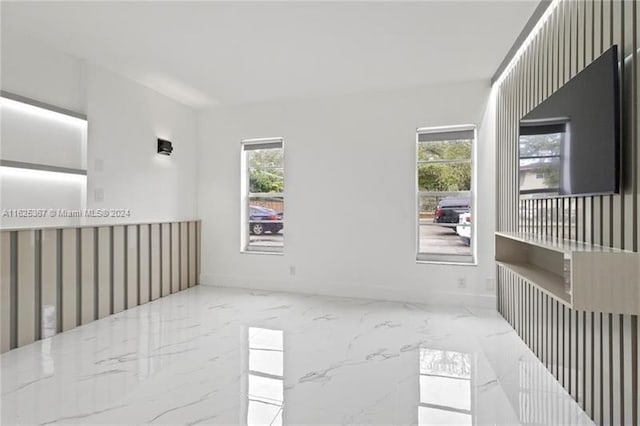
<point>164,147</point>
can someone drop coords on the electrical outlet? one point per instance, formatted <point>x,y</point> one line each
<point>490,283</point>
<point>292,270</point>
<point>462,282</point>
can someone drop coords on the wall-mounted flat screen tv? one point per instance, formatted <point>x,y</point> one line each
<point>570,143</point>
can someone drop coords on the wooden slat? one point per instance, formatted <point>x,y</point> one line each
<point>627,385</point>
<point>69,286</point>
<point>26,325</point>
<point>587,362</point>
<point>132,266</point>
<point>5,291</point>
<point>144,264</point>
<point>165,278</point>
<point>49,283</point>
<point>175,257</point>
<point>104,271</point>
<point>598,368</point>
<point>192,254</point>
<point>88,283</point>
<point>118,253</point>
<point>155,261</point>
<point>198,250</point>
<point>184,256</point>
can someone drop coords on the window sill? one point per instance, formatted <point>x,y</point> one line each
<point>273,253</point>
<point>443,262</point>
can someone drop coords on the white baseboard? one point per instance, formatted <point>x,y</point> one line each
<point>352,290</point>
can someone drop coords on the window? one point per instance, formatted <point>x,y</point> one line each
<point>263,195</point>
<point>540,157</point>
<point>444,194</point>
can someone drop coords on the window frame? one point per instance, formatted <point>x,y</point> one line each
<point>453,259</point>
<point>246,195</point>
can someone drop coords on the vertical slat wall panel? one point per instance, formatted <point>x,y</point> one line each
<point>26,288</point>
<point>49,283</point>
<point>5,291</point>
<point>155,261</point>
<point>184,253</point>
<point>175,257</point>
<point>52,280</point>
<point>119,256</point>
<point>197,254</point>
<point>192,254</point>
<point>635,333</point>
<point>593,355</point>
<point>165,234</point>
<point>627,367</point>
<point>593,408</point>
<point>69,262</point>
<point>88,273</point>
<point>144,264</point>
<point>104,271</point>
<point>132,266</point>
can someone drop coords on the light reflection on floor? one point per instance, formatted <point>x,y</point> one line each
<point>266,377</point>
<point>445,387</point>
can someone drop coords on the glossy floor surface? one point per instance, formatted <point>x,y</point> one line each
<point>220,356</point>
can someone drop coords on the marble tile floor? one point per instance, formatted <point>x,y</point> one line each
<point>230,356</point>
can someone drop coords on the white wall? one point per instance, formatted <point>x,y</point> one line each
<point>36,71</point>
<point>125,119</point>
<point>349,188</point>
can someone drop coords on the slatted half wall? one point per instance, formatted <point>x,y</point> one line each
<point>593,355</point>
<point>55,279</point>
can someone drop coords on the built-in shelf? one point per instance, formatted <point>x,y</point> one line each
<point>580,275</point>
<point>42,105</point>
<point>41,167</point>
<point>548,282</point>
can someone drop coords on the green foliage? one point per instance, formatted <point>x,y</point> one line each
<point>265,181</point>
<point>446,176</point>
<point>444,150</point>
<point>266,173</point>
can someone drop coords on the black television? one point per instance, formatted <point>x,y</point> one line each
<point>570,143</point>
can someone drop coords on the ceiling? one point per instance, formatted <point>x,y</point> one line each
<point>208,53</point>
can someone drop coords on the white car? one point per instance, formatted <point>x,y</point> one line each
<point>463,229</point>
